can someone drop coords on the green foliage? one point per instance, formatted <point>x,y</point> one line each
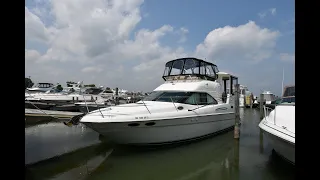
<point>89,85</point>
<point>28,83</point>
<point>59,87</point>
<point>69,83</point>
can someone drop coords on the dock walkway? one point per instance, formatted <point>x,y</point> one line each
<point>36,116</point>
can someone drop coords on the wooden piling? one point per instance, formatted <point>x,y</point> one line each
<point>237,113</point>
<point>261,106</point>
<point>117,96</point>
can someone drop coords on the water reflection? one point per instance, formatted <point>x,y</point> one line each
<point>218,157</point>
<point>205,159</point>
<point>52,139</point>
<point>72,165</point>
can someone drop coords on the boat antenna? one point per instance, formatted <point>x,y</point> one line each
<point>282,79</point>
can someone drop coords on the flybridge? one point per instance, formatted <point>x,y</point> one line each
<point>190,68</point>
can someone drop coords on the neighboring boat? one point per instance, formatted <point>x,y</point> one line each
<point>40,87</point>
<point>255,102</point>
<point>86,107</point>
<point>279,125</point>
<point>268,97</point>
<point>244,96</point>
<point>90,95</point>
<point>191,103</point>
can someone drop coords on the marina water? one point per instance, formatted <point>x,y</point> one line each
<point>55,151</point>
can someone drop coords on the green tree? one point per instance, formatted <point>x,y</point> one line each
<point>59,88</point>
<point>69,83</point>
<point>28,83</point>
<point>89,85</point>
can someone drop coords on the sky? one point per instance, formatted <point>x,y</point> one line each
<point>126,43</point>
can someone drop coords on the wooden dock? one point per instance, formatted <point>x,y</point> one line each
<point>36,116</point>
<point>40,105</point>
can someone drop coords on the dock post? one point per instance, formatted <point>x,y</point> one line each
<point>261,106</point>
<point>251,100</point>
<point>117,97</point>
<point>237,113</point>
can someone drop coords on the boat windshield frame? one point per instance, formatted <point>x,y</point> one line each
<point>182,97</point>
<point>197,67</point>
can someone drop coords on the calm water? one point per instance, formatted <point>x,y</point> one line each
<point>218,157</point>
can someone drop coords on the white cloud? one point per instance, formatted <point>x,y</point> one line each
<point>287,57</point>
<point>263,14</point>
<point>31,55</point>
<point>99,38</point>
<point>91,69</point>
<point>183,32</point>
<point>245,42</point>
<point>34,28</point>
<point>273,11</point>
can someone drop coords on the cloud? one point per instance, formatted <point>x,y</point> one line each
<point>34,28</point>
<point>271,11</point>
<point>287,57</point>
<point>183,32</point>
<point>246,42</point>
<point>31,55</point>
<point>101,38</point>
<point>91,69</point>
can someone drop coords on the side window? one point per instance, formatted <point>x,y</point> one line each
<point>211,100</point>
<point>194,99</point>
<point>200,99</point>
<point>203,99</point>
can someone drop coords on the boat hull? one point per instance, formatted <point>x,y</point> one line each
<point>163,131</point>
<point>282,147</point>
<point>241,101</point>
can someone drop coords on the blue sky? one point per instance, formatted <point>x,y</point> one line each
<point>65,41</point>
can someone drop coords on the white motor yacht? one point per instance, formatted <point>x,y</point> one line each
<point>191,103</point>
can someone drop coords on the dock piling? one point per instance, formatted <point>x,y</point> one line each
<point>261,105</point>
<point>237,112</point>
<point>117,96</point>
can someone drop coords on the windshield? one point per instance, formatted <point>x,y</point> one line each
<point>193,98</point>
<point>163,96</point>
<point>289,91</point>
<point>288,100</point>
<point>269,97</point>
<point>93,91</point>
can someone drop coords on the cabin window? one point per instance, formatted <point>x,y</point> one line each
<point>202,68</point>
<point>167,69</point>
<point>210,71</point>
<point>269,97</point>
<point>211,100</point>
<point>191,66</point>
<point>288,100</point>
<point>177,67</point>
<point>289,91</point>
<point>201,99</point>
<point>193,98</point>
<point>177,97</point>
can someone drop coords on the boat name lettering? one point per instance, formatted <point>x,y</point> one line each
<point>145,117</point>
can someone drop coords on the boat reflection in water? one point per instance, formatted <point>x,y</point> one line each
<point>213,157</point>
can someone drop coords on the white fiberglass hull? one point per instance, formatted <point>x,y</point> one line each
<point>159,122</point>
<point>282,147</point>
<point>241,100</point>
<point>163,131</point>
<point>281,134</point>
